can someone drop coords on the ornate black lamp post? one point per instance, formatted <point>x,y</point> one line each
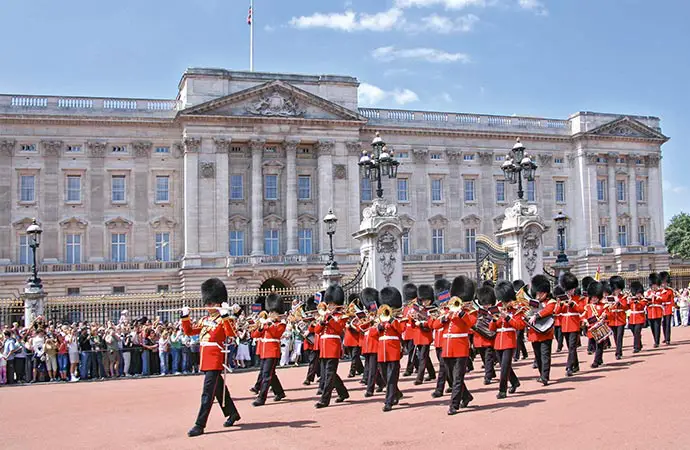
<point>379,163</point>
<point>561,221</point>
<point>517,163</point>
<point>331,221</point>
<point>34,233</point>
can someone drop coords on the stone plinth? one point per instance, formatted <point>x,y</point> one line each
<point>522,234</point>
<point>34,303</point>
<point>331,275</point>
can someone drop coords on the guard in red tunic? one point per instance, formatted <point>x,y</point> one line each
<point>506,326</point>
<point>423,334</point>
<point>655,310</point>
<point>351,342</point>
<point>212,330</point>
<point>442,293</point>
<point>570,306</point>
<point>668,300</point>
<point>271,331</point>
<point>616,312</point>
<point>595,312</point>
<point>483,341</point>
<point>637,305</point>
<point>372,375</point>
<point>389,331</point>
<point>330,327</point>
<point>410,300</point>
<point>542,343</point>
<point>311,341</point>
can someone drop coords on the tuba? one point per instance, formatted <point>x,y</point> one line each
<point>322,309</point>
<point>385,313</point>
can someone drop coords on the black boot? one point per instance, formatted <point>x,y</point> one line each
<point>195,431</point>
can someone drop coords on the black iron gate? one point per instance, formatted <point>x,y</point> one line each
<point>493,261</point>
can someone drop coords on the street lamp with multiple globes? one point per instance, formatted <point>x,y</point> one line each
<point>561,220</point>
<point>517,163</point>
<point>330,220</point>
<point>34,233</point>
<point>379,163</point>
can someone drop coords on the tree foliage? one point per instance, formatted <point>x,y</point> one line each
<point>678,235</point>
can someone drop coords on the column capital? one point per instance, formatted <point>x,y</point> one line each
<point>652,160</point>
<point>354,148</point>
<point>290,144</point>
<point>192,144</point>
<point>142,149</point>
<point>257,144</point>
<point>97,148</point>
<point>52,148</point>
<point>222,144</point>
<point>591,157</point>
<point>325,147</point>
<point>7,147</point>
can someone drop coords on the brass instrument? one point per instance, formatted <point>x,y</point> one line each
<point>385,313</point>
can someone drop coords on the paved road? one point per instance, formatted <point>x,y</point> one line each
<point>637,402</point>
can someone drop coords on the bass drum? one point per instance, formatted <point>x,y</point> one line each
<point>543,325</point>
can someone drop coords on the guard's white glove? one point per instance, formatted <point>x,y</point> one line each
<point>224,309</point>
<point>185,311</point>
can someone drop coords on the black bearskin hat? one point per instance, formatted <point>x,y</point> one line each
<point>636,288</point>
<point>518,284</point>
<point>213,292</point>
<point>390,296</point>
<point>653,278</point>
<point>409,292</point>
<point>608,290</point>
<point>504,291</point>
<point>274,303</point>
<point>425,292</point>
<point>486,296</point>
<point>568,281</point>
<point>664,277</point>
<point>369,298</point>
<point>558,290</point>
<point>464,288</point>
<point>539,283</point>
<point>489,283</point>
<point>595,289</point>
<point>353,298</point>
<point>585,283</point>
<point>617,282</point>
<point>441,285</point>
<point>334,294</point>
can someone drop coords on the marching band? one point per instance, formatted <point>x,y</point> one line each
<point>459,318</point>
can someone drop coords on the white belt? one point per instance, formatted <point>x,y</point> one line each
<point>211,344</point>
<point>570,314</point>
<point>505,330</point>
<point>616,310</point>
<point>271,340</point>
<point>456,335</point>
<point>330,336</point>
<point>636,312</point>
<point>389,338</point>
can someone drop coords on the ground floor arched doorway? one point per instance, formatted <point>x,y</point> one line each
<point>274,284</point>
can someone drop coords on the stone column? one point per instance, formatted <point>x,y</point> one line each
<point>97,251</point>
<point>192,145</point>
<point>50,196</point>
<point>7,147</point>
<point>257,147</point>
<point>325,169</point>
<point>613,221</point>
<point>591,203</point>
<point>655,200</point>
<point>291,197</point>
<point>354,152</point>
<point>222,171</point>
<point>632,201</point>
<point>140,228</point>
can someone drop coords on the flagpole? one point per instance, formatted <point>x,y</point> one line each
<point>251,36</point>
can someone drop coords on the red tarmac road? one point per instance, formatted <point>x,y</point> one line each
<point>637,402</point>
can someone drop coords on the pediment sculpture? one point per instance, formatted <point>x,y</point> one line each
<point>275,104</point>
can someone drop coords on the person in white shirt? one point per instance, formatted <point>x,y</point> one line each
<point>684,306</point>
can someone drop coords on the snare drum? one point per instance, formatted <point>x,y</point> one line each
<point>600,331</point>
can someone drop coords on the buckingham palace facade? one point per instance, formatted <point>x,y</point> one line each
<point>233,177</point>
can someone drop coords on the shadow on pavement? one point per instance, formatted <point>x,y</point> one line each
<point>262,425</point>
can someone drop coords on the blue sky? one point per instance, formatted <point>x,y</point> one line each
<point>546,58</point>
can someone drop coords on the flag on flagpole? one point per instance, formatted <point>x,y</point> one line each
<point>249,16</point>
<point>597,276</point>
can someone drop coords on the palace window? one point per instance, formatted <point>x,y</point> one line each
<point>271,242</point>
<point>470,240</point>
<point>162,189</point>
<point>620,190</point>
<point>118,247</point>
<point>119,149</point>
<point>642,234</point>
<point>469,190</point>
<point>237,243</point>
<point>117,189</point>
<point>406,243</point>
<point>558,160</point>
<point>641,190</point>
<point>436,190</point>
<point>402,190</point>
<point>531,191</point>
<point>28,147</point>
<point>601,189</point>
<point>72,291</point>
<point>500,191</point>
<point>73,188</point>
<point>304,187</point>
<point>603,236</point>
<point>271,187</point>
<point>304,238</point>
<point>24,250</point>
<point>468,157</point>
<point>366,194</point>
<point>236,187</point>
<point>622,235</point>
<point>560,191</point>
<point>435,156</point>
<point>162,149</point>
<point>163,246</point>
<point>27,188</point>
<point>118,290</point>
<point>437,245</point>
<point>73,248</point>
<point>163,288</point>
<point>73,148</point>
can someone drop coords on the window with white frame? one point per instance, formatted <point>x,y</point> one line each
<point>603,236</point>
<point>470,240</point>
<point>436,190</point>
<point>601,189</point>
<point>304,187</point>
<point>560,191</point>
<point>437,245</point>
<point>118,247</point>
<point>28,147</point>
<point>271,242</point>
<point>304,241</point>
<point>558,160</point>
<point>403,155</point>
<point>402,190</point>
<point>468,157</point>
<point>620,190</point>
<point>642,234</point>
<point>500,158</point>
<point>24,250</point>
<point>469,190</point>
<point>162,149</point>
<point>236,243</point>
<point>641,190</point>
<point>73,248</point>
<point>236,187</point>
<point>27,188</point>
<point>118,189</point>
<point>163,246</point>
<point>73,149</point>
<point>73,188</point>
<point>622,235</point>
<point>270,187</point>
<point>435,156</point>
<point>406,243</point>
<point>500,191</point>
<point>365,190</point>
<point>162,189</point>
<point>119,149</point>
<point>531,190</point>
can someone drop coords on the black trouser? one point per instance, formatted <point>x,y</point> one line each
<point>356,366</point>
<point>20,368</point>
<point>269,378</point>
<point>507,373</point>
<point>135,361</point>
<point>542,355</point>
<point>618,338</point>
<point>637,336</point>
<point>521,347</point>
<point>372,373</point>
<point>599,353</point>
<point>314,366</point>
<point>571,339</point>
<point>487,355</point>
<point>655,325</point>
<point>331,379</point>
<point>10,371</point>
<point>443,373</point>
<point>591,345</point>
<point>391,374</point>
<point>214,388</point>
<point>411,356</point>
<point>558,334</point>
<point>424,362</point>
<point>458,367</point>
<point>667,322</point>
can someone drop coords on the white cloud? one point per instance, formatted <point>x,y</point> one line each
<point>670,187</point>
<point>370,95</point>
<point>446,97</point>
<point>448,4</point>
<point>269,28</point>
<point>445,25</point>
<point>350,21</point>
<point>534,5</point>
<point>432,55</point>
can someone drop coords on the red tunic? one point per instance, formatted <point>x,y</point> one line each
<point>570,315</point>
<point>548,310</point>
<point>637,309</point>
<point>480,341</point>
<point>616,312</point>
<point>423,333</point>
<point>456,341</point>
<point>594,310</point>
<point>371,342</point>
<point>667,301</point>
<point>506,330</point>
<point>270,340</point>
<point>212,331</point>
<point>389,348</point>
<point>655,310</point>
<point>351,336</point>
<point>312,329</point>
<point>330,332</point>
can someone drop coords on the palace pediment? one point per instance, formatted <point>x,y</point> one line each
<point>626,127</point>
<point>273,100</point>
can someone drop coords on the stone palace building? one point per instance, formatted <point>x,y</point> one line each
<point>233,177</point>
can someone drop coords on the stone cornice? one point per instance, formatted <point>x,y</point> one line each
<point>87,120</point>
<point>442,132</point>
<point>259,119</point>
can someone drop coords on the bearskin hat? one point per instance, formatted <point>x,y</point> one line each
<point>585,283</point>
<point>608,290</point>
<point>425,292</point>
<point>489,283</point>
<point>636,288</point>
<point>653,278</point>
<point>557,291</point>
<point>664,277</point>
<point>486,296</point>
<point>539,283</point>
<point>390,296</point>
<point>518,284</point>
<point>409,292</point>
<point>595,289</point>
<point>441,285</point>
<point>334,294</point>
<point>274,303</point>
<point>617,282</point>
<point>464,288</point>
<point>504,291</point>
<point>213,292</point>
<point>369,298</point>
<point>568,281</point>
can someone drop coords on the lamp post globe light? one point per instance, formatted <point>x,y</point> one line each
<point>517,163</point>
<point>331,221</point>
<point>34,232</point>
<point>378,164</point>
<point>561,220</point>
